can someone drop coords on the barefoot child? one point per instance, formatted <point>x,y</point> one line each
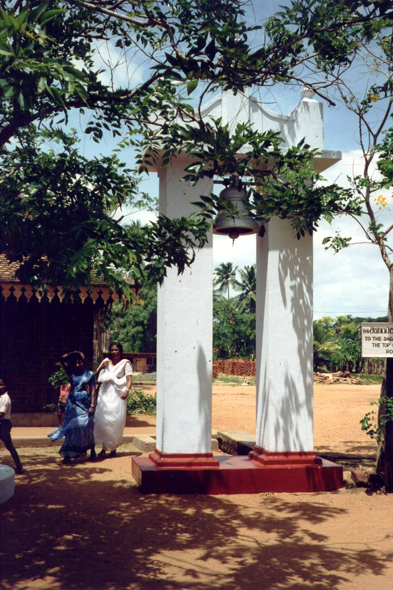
<point>61,406</point>
<point>5,425</point>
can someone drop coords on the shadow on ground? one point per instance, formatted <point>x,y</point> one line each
<point>77,528</point>
<point>351,455</point>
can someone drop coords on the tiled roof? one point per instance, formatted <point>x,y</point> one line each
<point>8,270</point>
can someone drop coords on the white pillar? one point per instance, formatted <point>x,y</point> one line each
<point>184,333</point>
<point>284,340</point>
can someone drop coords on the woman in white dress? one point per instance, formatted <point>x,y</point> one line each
<point>115,376</point>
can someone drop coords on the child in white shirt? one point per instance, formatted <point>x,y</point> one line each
<point>6,425</point>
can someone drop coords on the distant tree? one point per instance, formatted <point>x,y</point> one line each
<point>225,276</point>
<point>324,343</point>
<point>348,355</point>
<point>247,285</point>
<point>135,326</point>
<point>337,344</point>
<point>233,331</point>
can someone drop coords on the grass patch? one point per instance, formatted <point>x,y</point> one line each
<point>371,379</point>
<point>233,380</point>
<point>150,378</point>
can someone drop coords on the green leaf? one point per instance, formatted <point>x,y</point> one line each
<point>81,91</point>
<point>56,95</point>
<point>211,50</point>
<point>35,14</point>
<point>192,84</point>
<point>76,73</point>
<point>8,91</point>
<point>6,50</point>
<point>172,60</point>
<point>201,42</point>
<point>49,15</point>
<point>41,86</point>
<point>21,100</point>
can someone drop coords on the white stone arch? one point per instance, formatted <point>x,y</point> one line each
<point>283,458</point>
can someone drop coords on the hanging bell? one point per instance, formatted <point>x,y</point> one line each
<point>240,223</point>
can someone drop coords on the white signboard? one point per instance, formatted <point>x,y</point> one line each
<point>377,339</point>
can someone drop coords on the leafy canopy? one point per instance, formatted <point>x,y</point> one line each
<point>58,208</point>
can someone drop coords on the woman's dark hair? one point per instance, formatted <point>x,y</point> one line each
<point>4,381</point>
<point>119,346</point>
<point>74,356</point>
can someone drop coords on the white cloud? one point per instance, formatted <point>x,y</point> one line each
<point>354,281</point>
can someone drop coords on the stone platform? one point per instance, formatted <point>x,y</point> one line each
<point>236,475</point>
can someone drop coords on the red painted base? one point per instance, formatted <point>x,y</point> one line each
<point>237,475</point>
<point>290,458</point>
<point>183,460</point>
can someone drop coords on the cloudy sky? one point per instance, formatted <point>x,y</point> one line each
<point>355,281</point>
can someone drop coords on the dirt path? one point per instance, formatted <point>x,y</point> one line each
<point>338,410</point>
<point>86,526</point>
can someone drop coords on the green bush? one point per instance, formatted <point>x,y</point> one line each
<point>139,403</point>
<point>374,422</point>
<point>50,408</point>
<point>59,377</point>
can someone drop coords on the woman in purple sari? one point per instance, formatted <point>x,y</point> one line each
<point>78,425</point>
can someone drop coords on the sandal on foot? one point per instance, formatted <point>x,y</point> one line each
<point>112,454</point>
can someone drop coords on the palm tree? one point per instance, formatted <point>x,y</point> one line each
<point>248,288</point>
<point>324,342</point>
<point>225,276</point>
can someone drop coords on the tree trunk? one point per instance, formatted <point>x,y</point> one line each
<point>389,430</point>
<point>97,336</point>
<point>385,447</point>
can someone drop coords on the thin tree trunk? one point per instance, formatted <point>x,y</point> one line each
<point>98,330</point>
<point>385,447</point>
<point>389,430</point>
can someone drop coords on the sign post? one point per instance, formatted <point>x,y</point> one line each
<point>377,340</point>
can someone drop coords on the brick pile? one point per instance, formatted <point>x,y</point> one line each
<point>339,377</point>
<point>241,367</point>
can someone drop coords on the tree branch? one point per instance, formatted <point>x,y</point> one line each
<point>113,14</point>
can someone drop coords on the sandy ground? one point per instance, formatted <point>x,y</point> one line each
<point>86,526</point>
